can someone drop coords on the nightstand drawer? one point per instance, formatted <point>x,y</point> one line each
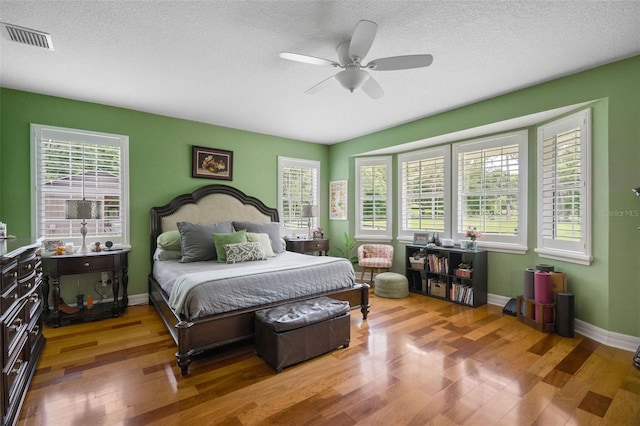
<point>70,266</point>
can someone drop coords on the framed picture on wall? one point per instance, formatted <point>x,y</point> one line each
<point>211,163</point>
<point>338,200</point>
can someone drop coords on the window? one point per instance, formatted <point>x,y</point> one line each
<point>490,190</point>
<point>424,196</point>
<point>373,205</point>
<point>298,185</point>
<point>564,188</point>
<point>69,164</point>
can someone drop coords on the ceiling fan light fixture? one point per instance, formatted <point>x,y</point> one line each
<point>352,78</point>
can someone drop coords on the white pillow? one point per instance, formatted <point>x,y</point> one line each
<point>254,237</point>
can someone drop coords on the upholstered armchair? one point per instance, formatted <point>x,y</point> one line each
<point>374,258</point>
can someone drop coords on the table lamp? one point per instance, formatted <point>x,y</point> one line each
<point>83,209</point>
<point>308,211</point>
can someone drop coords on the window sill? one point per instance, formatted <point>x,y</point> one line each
<point>565,256</point>
<point>377,238</point>
<point>484,245</point>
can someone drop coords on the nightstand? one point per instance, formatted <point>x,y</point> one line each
<point>113,261</point>
<point>321,246</point>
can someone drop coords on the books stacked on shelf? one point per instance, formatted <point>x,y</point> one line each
<point>438,264</point>
<point>461,293</point>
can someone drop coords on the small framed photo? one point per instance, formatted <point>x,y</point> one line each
<point>211,163</point>
<point>420,238</point>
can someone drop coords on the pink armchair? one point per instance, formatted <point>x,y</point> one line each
<point>374,258</point>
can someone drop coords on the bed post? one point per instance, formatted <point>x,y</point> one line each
<point>184,353</point>
<point>365,301</point>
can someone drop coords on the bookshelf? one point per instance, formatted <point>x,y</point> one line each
<point>438,274</point>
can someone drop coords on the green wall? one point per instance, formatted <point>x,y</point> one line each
<point>160,163</point>
<point>608,291</point>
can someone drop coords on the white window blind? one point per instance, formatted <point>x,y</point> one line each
<point>373,207</point>
<point>491,189</point>
<point>73,164</point>
<point>424,181</point>
<point>298,186</point>
<point>563,188</point>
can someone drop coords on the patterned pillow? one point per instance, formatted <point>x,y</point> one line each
<point>244,252</point>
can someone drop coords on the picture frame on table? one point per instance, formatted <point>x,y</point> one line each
<point>212,163</point>
<point>420,238</point>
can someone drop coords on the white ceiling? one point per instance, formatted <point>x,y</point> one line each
<point>217,61</point>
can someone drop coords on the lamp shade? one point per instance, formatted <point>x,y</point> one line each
<point>83,209</point>
<point>308,211</point>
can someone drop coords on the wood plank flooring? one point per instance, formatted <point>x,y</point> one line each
<point>416,361</point>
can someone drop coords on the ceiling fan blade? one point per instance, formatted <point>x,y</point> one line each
<point>372,88</point>
<point>315,89</point>
<point>307,59</point>
<point>400,62</point>
<point>362,39</point>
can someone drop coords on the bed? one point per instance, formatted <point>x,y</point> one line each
<point>197,327</point>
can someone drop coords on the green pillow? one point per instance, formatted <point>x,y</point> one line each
<point>169,240</point>
<point>220,240</point>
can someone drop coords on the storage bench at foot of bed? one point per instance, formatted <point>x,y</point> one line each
<point>295,332</point>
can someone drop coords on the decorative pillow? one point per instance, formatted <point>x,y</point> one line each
<point>164,254</point>
<point>221,240</point>
<point>169,240</point>
<point>270,228</point>
<point>252,237</point>
<point>244,252</point>
<point>196,241</point>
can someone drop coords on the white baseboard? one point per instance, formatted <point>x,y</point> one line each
<point>139,299</point>
<point>600,335</point>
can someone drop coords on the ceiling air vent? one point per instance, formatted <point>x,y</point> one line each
<point>27,36</point>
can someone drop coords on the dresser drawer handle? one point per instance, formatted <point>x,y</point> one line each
<point>28,266</point>
<point>33,298</point>
<point>36,329</point>
<point>17,323</point>
<point>15,296</point>
<point>86,264</point>
<point>15,274</point>
<point>16,370</point>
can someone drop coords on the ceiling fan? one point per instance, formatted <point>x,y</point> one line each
<point>350,58</point>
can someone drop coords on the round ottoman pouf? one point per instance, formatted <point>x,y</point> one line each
<point>391,285</point>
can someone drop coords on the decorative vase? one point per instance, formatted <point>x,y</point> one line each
<point>472,245</point>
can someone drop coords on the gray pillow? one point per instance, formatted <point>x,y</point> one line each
<point>196,240</point>
<point>270,228</point>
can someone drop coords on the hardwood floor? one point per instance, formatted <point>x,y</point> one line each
<point>415,361</point>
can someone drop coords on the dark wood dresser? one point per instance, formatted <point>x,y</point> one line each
<point>20,320</point>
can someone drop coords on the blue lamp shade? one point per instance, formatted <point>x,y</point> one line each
<point>83,209</point>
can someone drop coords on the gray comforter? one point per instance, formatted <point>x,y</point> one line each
<point>204,288</point>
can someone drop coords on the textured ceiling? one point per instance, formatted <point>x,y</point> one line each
<point>217,61</point>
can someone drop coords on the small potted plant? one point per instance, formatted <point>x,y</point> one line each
<point>473,235</point>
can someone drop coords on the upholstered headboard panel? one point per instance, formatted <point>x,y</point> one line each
<point>209,204</point>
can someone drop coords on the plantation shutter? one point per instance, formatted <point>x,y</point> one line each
<point>298,186</point>
<point>373,197</point>
<point>72,165</point>
<point>423,194</point>
<point>562,186</point>
<point>488,190</point>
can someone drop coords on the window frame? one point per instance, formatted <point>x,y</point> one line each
<point>501,243</point>
<point>406,235</point>
<point>367,234</point>
<point>314,198</point>
<point>90,138</point>
<point>579,252</point>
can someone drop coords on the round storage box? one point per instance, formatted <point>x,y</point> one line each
<point>391,285</point>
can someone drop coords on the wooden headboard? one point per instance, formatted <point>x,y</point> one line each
<point>209,204</point>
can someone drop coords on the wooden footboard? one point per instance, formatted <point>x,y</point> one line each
<point>207,333</point>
